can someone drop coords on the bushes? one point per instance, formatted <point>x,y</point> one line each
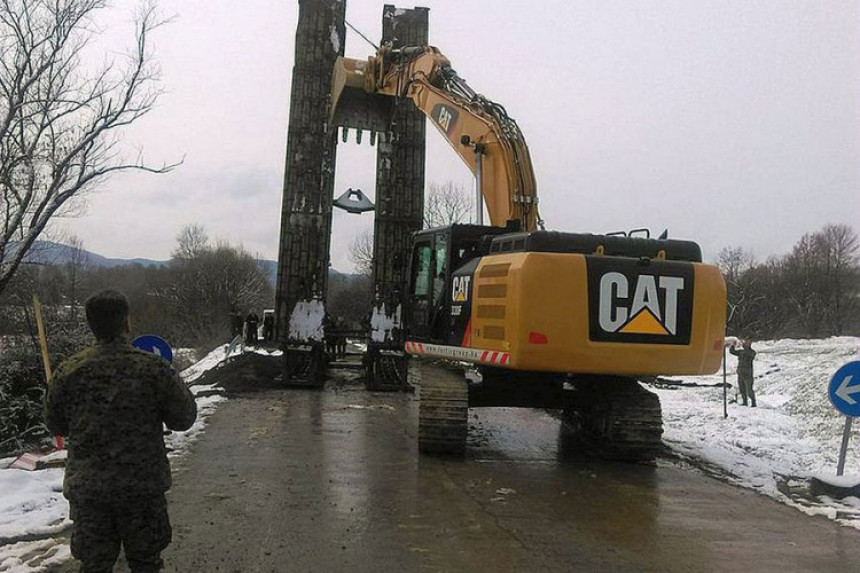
<point>22,381</point>
<point>22,387</point>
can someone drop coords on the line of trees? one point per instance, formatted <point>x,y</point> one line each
<point>812,292</point>
<point>187,301</point>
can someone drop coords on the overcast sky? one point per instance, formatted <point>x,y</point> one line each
<point>727,122</point>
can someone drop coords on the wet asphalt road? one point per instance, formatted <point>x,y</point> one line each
<point>304,480</point>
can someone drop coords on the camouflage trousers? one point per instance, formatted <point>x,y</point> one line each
<point>745,385</point>
<point>142,528</point>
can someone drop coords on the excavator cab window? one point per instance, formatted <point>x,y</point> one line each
<point>421,286</point>
<point>440,267</point>
<point>428,283</point>
<point>421,260</point>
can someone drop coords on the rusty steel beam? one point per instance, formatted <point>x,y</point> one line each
<point>399,176</point>
<point>303,258</point>
<point>399,204</point>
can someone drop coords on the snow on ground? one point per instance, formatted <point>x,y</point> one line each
<point>793,434</point>
<point>32,506</point>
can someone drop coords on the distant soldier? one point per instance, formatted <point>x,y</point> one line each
<point>329,327</point>
<point>251,323</point>
<point>112,401</point>
<point>340,339</point>
<point>268,326</point>
<point>235,323</point>
<point>745,355</point>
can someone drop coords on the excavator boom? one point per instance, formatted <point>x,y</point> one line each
<point>480,131</point>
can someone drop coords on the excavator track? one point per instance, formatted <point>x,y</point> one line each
<point>443,412</point>
<point>616,418</point>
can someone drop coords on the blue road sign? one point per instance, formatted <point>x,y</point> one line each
<point>844,389</point>
<point>159,346</point>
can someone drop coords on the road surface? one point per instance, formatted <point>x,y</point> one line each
<point>305,480</point>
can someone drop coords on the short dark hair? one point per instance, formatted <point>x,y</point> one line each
<point>107,314</point>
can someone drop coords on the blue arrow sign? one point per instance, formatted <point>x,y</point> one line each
<point>844,389</point>
<point>156,345</point>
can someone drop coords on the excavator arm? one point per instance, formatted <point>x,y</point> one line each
<point>480,131</point>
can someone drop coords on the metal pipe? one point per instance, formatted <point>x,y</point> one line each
<point>846,433</point>
<point>479,198</point>
<point>725,384</point>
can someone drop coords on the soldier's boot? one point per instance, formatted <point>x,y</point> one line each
<point>144,563</point>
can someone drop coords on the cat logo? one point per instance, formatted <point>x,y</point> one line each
<point>630,304</point>
<point>445,117</point>
<point>460,292</point>
<point>640,314</point>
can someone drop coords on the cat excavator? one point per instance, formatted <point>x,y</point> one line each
<point>549,319</point>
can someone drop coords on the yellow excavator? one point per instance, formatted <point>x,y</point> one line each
<point>550,319</point>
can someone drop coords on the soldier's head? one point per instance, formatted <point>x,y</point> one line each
<point>107,315</point>
<point>747,342</point>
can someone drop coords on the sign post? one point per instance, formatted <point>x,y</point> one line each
<point>46,357</point>
<point>725,386</point>
<point>845,397</point>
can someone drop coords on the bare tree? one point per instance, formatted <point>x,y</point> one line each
<point>445,204</point>
<point>361,252</point>
<point>191,241</point>
<point>839,247</point>
<point>77,260</point>
<point>59,124</point>
<point>204,288</point>
<point>735,263</point>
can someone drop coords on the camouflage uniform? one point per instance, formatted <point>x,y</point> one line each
<point>112,400</point>
<point>745,373</point>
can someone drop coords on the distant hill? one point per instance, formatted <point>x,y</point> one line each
<point>50,253</point>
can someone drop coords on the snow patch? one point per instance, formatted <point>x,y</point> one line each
<point>33,556</point>
<point>334,38</point>
<point>794,432</point>
<point>306,321</point>
<point>845,481</point>
<point>32,503</point>
<point>381,324</point>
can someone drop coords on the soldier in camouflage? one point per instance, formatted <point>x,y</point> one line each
<point>111,401</point>
<point>745,355</point>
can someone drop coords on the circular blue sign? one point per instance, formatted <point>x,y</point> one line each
<point>844,389</point>
<point>154,344</point>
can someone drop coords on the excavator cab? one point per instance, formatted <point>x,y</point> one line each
<point>437,257</point>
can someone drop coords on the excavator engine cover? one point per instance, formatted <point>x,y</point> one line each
<point>575,303</point>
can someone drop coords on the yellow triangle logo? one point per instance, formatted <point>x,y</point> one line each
<point>644,323</point>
